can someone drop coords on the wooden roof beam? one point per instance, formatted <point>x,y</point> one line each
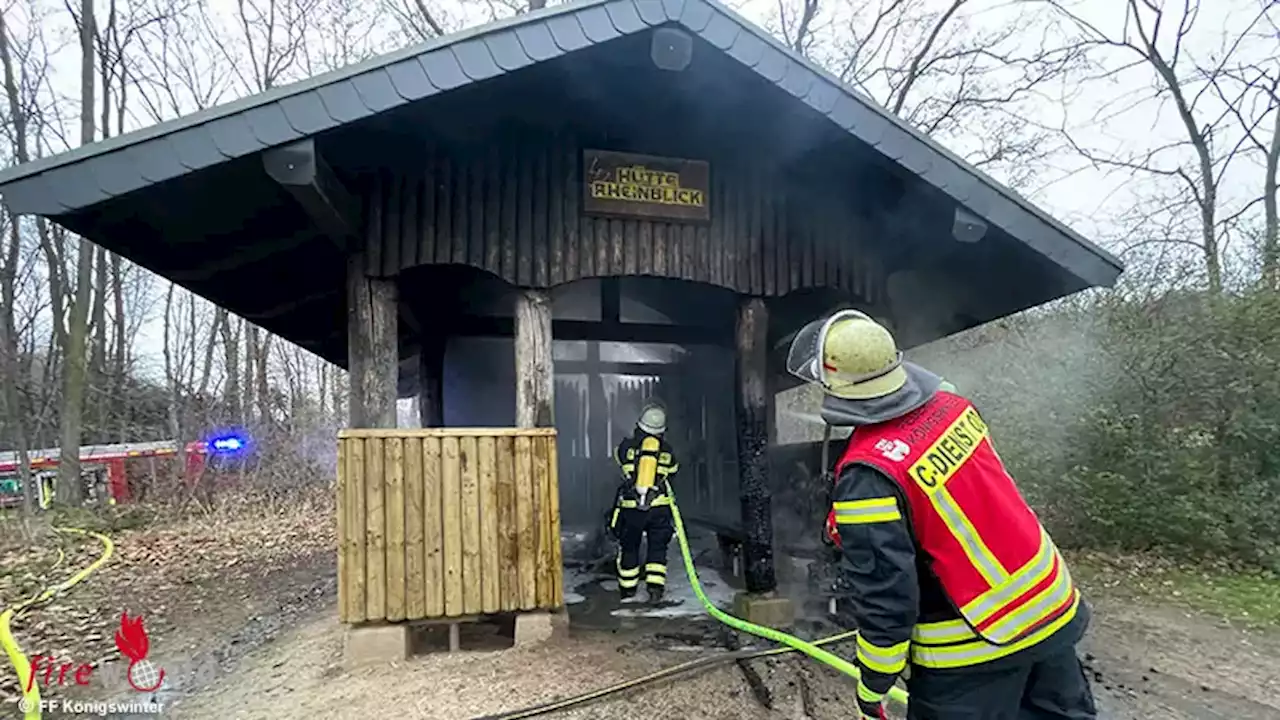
<point>299,169</point>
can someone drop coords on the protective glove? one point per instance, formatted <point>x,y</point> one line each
<point>831,533</point>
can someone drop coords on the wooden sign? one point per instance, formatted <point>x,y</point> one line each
<point>643,186</point>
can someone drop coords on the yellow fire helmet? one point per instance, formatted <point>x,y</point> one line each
<point>849,355</point>
<point>653,419</point>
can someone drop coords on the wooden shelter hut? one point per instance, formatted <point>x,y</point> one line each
<point>467,218</point>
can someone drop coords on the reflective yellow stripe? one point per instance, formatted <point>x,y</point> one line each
<point>936,466</point>
<point>628,582</point>
<point>1020,620</point>
<point>628,468</point>
<point>963,531</point>
<point>942,633</point>
<point>863,512</point>
<point>1035,610</point>
<point>979,651</point>
<point>655,567</point>
<point>613,522</point>
<point>659,502</point>
<point>627,504</point>
<point>890,660</point>
<point>627,572</point>
<point>866,694</point>
<point>1021,581</point>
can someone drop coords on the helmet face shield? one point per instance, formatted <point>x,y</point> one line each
<point>804,357</point>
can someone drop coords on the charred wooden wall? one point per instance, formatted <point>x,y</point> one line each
<point>514,210</point>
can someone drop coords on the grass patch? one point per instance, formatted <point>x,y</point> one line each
<point>1247,595</point>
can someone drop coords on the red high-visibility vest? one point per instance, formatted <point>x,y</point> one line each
<point>992,557</point>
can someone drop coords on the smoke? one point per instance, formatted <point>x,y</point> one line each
<point>1035,378</point>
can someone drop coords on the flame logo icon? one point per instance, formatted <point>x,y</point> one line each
<point>133,643</point>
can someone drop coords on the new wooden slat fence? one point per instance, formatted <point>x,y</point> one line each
<point>445,523</point>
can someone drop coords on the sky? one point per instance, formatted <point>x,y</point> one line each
<point>1084,196</point>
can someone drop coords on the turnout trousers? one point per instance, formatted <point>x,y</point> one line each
<point>655,527</point>
<point>1053,687</point>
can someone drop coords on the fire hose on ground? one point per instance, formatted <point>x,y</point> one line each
<point>31,690</point>
<point>791,643</point>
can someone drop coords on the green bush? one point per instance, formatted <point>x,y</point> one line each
<point>1138,425</point>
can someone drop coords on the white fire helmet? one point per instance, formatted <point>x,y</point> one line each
<point>653,419</point>
<point>849,355</point>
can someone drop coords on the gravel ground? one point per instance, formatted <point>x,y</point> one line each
<point>1140,663</point>
<point>303,678</point>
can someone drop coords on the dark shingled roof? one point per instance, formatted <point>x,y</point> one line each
<point>92,174</point>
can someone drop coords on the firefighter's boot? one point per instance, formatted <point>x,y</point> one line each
<point>655,592</point>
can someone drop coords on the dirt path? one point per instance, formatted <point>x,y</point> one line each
<point>1146,663</point>
<point>241,618</point>
<point>1157,662</point>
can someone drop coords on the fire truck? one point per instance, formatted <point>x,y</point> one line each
<point>107,470</point>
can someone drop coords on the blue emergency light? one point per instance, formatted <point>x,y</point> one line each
<point>228,444</point>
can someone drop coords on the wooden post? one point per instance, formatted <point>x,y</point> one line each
<point>430,383</point>
<point>535,379</point>
<point>753,444</point>
<point>372,351</point>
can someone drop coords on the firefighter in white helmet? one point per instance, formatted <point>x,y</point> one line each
<point>947,567</point>
<point>642,510</point>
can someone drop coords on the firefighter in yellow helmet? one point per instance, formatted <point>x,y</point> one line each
<point>642,510</point>
<point>948,569</point>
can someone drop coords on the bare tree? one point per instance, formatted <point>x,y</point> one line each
<point>348,31</point>
<point>1251,93</point>
<point>1160,41</point>
<point>75,350</point>
<point>268,40</point>
<point>944,67</point>
<point>796,25</point>
<point>11,398</point>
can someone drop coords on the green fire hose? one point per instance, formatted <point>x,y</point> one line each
<point>792,644</point>
<point>896,694</point>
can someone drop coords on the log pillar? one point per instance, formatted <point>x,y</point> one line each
<point>752,406</point>
<point>431,382</point>
<point>372,350</point>
<point>535,370</point>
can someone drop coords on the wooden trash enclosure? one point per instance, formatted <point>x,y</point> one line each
<point>447,523</point>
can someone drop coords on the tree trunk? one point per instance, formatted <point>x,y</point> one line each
<point>70,488</point>
<point>231,364</point>
<point>173,415</point>
<point>120,369</point>
<point>250,366</point>
<point>75,377</point>
<point>11,373</point>
<point>263,388</point>
<point>97,376</point>
<point>1271,228</point>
